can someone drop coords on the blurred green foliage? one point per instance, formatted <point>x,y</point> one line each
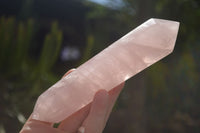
<point>51,49</point>
<point>163,98</point>
<point>16,65</point>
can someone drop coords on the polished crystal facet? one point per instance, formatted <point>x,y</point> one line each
<point>131,54</point>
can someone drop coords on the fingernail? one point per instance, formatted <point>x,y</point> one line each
<point>68,72</point>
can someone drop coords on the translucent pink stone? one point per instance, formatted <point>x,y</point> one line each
<point>134,52</point>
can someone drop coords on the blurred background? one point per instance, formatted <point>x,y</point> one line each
<point>42,39</point>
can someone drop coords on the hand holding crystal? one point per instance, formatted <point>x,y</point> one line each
<point>90,119</point>
<point>137,50</point>
<point>78,100</point>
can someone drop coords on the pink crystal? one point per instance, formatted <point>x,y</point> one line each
<point>137,50</point>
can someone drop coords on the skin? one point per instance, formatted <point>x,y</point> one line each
<point>90,119</point>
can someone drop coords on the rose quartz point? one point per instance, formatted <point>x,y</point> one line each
<point>134,52</point>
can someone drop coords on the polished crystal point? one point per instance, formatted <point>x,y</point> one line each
<point>134,52</point>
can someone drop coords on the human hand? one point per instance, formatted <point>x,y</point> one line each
<point>90,119</point>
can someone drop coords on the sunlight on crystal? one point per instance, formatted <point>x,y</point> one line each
<point>148,60</point>
<point>151,22</point>
<point>126,77</point>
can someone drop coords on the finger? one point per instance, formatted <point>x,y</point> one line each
<point>34,126</point>
<point>73,122</point>
<point>113,95</point>
<point>94,123</point>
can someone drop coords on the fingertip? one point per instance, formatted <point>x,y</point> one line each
<point>101,97</point>
<point>101,93</point>
<point>68,72</point>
